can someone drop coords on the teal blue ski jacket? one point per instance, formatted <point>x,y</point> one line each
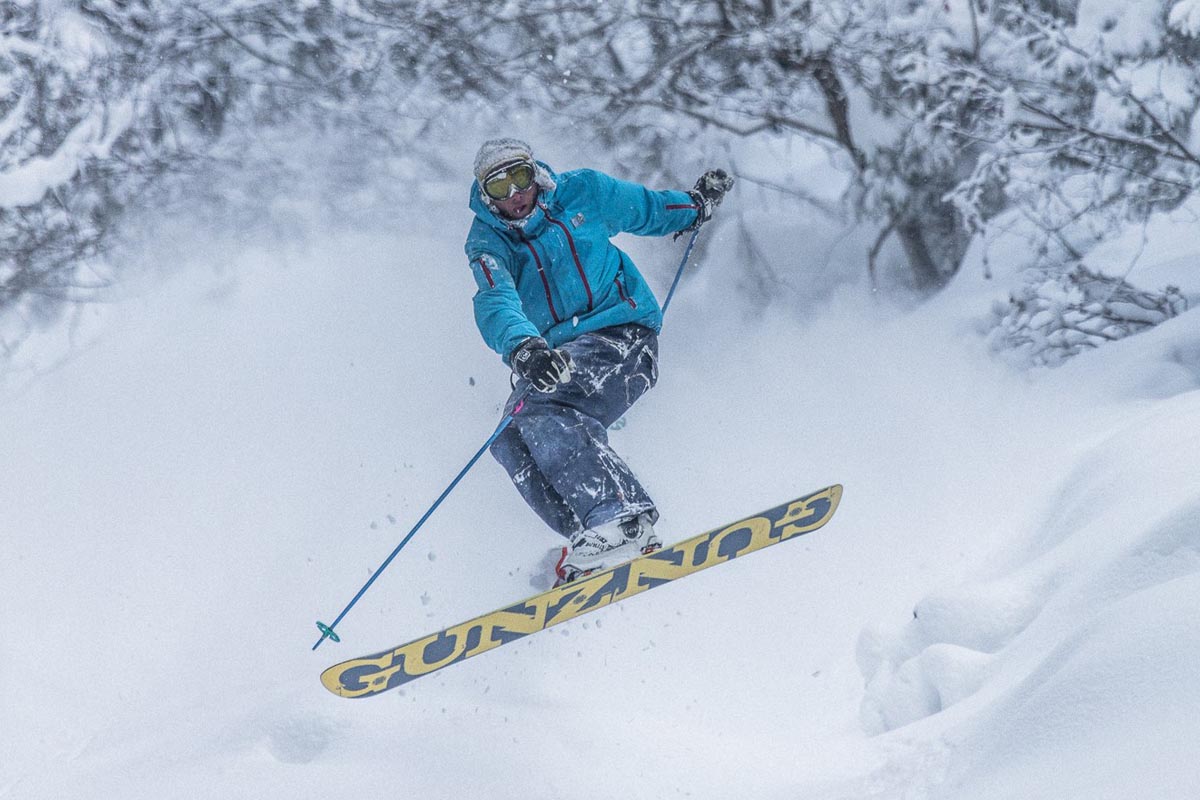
<point>556,274</point>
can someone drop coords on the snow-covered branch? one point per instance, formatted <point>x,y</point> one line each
<point>91,138</point>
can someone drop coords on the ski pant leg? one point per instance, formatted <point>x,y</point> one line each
<point>565,433</point>
<point>512,453</point>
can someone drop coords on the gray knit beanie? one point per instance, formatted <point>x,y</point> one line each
<point>495,152</point>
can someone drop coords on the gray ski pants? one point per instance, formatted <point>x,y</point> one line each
<point>556,449</point>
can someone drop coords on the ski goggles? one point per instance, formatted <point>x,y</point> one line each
<point>508,179</point>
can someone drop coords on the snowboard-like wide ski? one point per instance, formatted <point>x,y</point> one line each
<point>370,675</point>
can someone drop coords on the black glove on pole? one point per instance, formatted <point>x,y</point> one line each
<point>544,368</point>
<point>708,193</point>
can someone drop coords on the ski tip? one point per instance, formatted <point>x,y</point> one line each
<point>835,497</point>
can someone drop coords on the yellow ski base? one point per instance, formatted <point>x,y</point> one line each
<point>370,675</point>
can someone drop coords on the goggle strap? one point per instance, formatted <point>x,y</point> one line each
<point>504,169</point>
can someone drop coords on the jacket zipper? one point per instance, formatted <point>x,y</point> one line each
<point>545,281</point>
<point>575,255</point>
<point>625,297</point>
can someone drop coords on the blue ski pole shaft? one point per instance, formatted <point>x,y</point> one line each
<point>327,631</point>
<point>679,272</point>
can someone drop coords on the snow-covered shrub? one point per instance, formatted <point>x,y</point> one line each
<point>102,101</point>
<point>1058,315</point>
<point>95,105</point>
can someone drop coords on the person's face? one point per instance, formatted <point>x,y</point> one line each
<point>512,188</point>
<point>518,204</point>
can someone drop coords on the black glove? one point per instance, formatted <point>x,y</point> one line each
<point>534,361</point>
<point>708,193</point>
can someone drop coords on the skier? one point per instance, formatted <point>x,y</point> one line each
<point>573,317</point>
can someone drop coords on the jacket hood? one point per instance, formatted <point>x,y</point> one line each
<point>485,210</point>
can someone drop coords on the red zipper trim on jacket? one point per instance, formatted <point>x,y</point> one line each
<point>575,255</point>
<point>487,273</point>
<point>621,292</point>
<point>545,280</point>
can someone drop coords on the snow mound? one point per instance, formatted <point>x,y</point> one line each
<point>1090,627</point>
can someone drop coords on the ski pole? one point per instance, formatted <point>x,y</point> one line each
<point>327,631</point>
<point>679,272</point>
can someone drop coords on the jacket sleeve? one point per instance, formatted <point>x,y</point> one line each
<point>632,208</point>
<point>499,313</point>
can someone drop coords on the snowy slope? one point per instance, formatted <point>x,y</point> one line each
<point>1074,666</point>
<point>229,459</point>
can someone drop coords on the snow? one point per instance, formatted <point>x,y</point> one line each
<point>1185,17</point>
<point>1115,28</point>
<point>234,449</point>
<point>1171,260</point>
<point>91,137</point>
<point>1172,82</point>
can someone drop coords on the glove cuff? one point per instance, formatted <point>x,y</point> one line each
<point>522,351</point>
<point>704,209</point>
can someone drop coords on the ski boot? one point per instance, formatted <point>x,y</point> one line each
<point>606,546</point>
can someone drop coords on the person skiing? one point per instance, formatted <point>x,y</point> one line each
<point>571,315</point>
